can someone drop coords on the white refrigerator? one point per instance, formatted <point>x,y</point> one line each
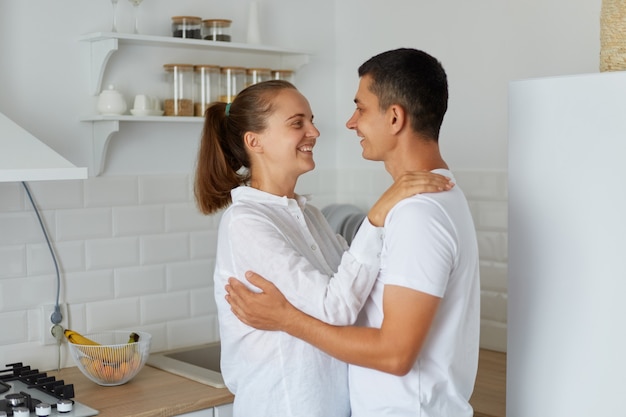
<point>567,247</point>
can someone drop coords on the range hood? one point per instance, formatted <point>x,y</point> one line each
<point>23,157</point>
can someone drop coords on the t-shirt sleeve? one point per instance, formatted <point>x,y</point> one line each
<point>419,247</point>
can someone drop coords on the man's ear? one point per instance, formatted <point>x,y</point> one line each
<point>252,142</point>
<point>397,117</point>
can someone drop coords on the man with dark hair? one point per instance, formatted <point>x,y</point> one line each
<point>414,348</point>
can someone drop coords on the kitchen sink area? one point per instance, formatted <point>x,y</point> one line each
<point>199,363</point>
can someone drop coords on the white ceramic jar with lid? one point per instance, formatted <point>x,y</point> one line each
<point>111,102</point>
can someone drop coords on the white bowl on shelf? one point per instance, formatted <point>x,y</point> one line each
<point>146,112</point>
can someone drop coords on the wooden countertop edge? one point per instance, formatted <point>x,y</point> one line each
<point>152,393</point>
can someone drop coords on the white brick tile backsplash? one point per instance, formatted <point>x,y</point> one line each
<point>309,183</point>
<point>493,306</point>
<point>115,314</point>
<point>136,281</point>
<point>165,307</point>
<point>141,220</point>
<point>196,331</point>
<point>163,189</point>
<point>56,194</point>
<point>40,260</point>
<point>35,316</point>
<point>12,261</point>
<point>203,302</point>
<point>26,292</point>
<point>493,335</point>
<point>23,227</point>
<point>70,255</point>
<point>203,244</point>
<point>111,191</point>
<point>491,215</point>
<point>14,327</point>
<point>82,287</point>
<point>188,275</point>
<point>110,253</point>
<point>135,252</point>
<point>11,197</point>
<point>488,186</point>
<point>164,248</point>
<point>77,316</point>
<point>81,224</point>
<point>492,245</point>
<point>359,181</point>
<point>186,218</point>
<point>159,336</point>
<point>493,276</point>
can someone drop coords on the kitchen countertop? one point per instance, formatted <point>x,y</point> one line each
<point>151,393</point>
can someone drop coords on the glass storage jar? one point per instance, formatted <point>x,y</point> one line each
<point>216,29</point>
<point>187,27</point>
<point>207,86</point>
<point>179,100</point>
<point>232,81</point>
<point>281,74</point>
<point>256,75</point>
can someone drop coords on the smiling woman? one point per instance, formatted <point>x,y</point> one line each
<point>251,155</point>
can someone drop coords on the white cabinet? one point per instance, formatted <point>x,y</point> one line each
<point>99,47</point>
<point>225,410</point>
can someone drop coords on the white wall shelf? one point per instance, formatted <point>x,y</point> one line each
<point>105,126</point>
<point>103,44</point>
<point>100,46</point>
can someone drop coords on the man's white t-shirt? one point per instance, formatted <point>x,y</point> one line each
<point>430,246</point>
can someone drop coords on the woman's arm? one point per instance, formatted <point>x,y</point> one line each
<point>406,185</point>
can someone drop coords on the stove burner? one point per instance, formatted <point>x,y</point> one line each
<point>33,393</point>
<point>16,404</point>
<point>15,399</point>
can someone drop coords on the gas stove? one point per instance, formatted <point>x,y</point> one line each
<point>26,392</point>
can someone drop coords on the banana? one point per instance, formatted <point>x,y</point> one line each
<point>110,353</point>
<point>133,338</point>
<point>78,339</point>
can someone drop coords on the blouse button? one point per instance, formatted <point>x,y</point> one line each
<point>314,247</point>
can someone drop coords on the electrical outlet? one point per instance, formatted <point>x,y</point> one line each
<point>47,338</point>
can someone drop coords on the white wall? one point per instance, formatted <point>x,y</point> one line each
<point>43,87</point>
<point>482,45</point>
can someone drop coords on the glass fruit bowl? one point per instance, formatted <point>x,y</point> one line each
<point>110,358</point>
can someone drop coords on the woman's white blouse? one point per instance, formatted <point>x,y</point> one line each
<point>290,243</point>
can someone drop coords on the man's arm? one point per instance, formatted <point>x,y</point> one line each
<point>393,348</point>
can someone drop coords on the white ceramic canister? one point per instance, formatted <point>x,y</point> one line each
<point>111,102</point>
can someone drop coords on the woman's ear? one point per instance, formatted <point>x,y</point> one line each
<point>252,142</point>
